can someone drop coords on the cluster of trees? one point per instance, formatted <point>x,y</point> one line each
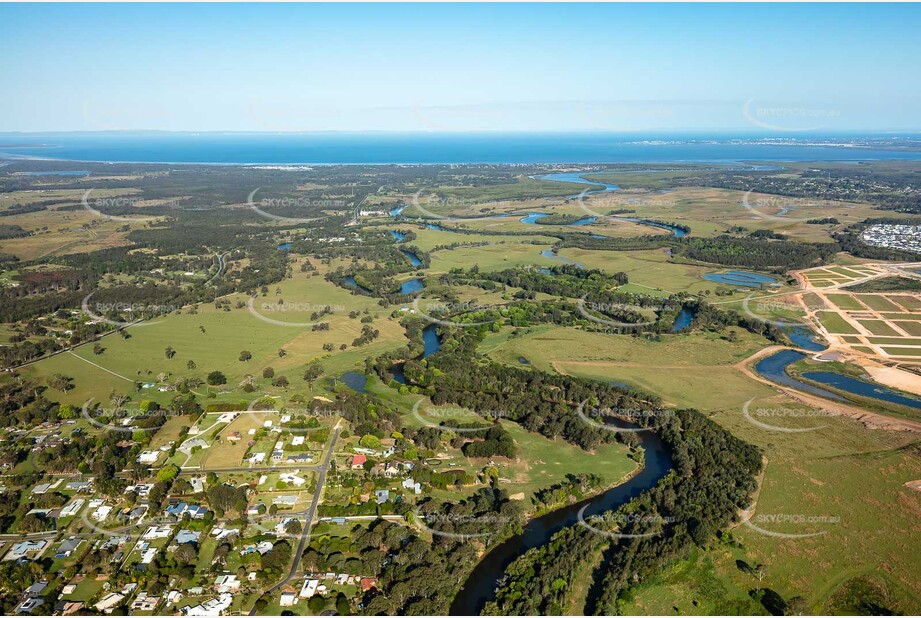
<point>760,254</point>
<point>709,317</point>
<point>564,280</point>
<point>417,577</point>
<point>712,479</point>
<point>496,441</point>
<point>573,488</point>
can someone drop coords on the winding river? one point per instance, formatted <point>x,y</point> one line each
<point>774,368</point>
<point>481,584</point>
<point>532,218</point>
<point>579,178</point>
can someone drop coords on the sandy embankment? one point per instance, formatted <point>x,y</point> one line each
<point>896,378</point>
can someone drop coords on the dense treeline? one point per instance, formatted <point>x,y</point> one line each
<point>776,256</point>
<point>416,577</point>
<point>713,478</point>
<point>540,402</point>
<point>565,280</point>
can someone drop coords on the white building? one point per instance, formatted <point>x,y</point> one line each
<point>149,457</point>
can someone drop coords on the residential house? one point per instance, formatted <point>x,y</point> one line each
<point>223,533</point>
<point>145,603</point>
<point>212,607</point>
<point>102,513</point>
<point>109,602</point>
<point>68,608</point>
<point>284,501</point>
<point>292,478</point>
<point>149,554</point>
<point>358,462</point>
<point>78,486</point>
<point>176,509</point>
<point>158,532</point>
<point>188,536</point>
<point>29,605</point>
<point>36,589</point>
<point>227,583</point>
<point>287,599</point>
<point>40,489</point>
<point>73,508</point>
<point>68,547</point>
<point>281,527</point>
<point>148,457</point>
<point>412,486</point>
<point>196,511</point>
<point>26,549</point>
<point>309,588</point>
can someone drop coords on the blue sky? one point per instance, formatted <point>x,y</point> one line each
<point>459,67</point>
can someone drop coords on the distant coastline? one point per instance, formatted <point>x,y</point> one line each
<point>449,148</point>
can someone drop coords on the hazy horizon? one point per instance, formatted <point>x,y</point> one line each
<point>459,68</point>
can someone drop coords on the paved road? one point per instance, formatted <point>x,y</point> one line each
<point>310,513</point>
<point>289,467</point>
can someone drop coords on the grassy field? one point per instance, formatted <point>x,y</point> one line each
<point>879,303</point>
<point>492,257</point>
<point>878,327</point>
<point>710,211</point>
<point>649,269</point>
<point>845,301</point>
<point>426,238</point>
<point>842,471</point>
<point>680,369</point>
<point>524,188</point>
<point>834,323</point>
<point>227,333</point>
<point>57,231</point>
<point>542,462</point>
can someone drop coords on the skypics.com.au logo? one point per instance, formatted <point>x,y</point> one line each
<point>788,118</point>
<point>430,202</point>
<point>456,416</point>
<point>594,310</point>
<point>613,524</point>
<point>122,203</point>
<point>314,311</point>
<point>612,418</point>
<point>439,312</point>
<point>755,416</point>
<point>119,308</point>
<point>757,523</point>
<point>308,204</point>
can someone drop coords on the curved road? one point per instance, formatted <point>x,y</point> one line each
<point>310,513</point>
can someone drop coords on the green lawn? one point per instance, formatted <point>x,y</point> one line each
<point>842,471</point>
<point>834,323</point>
<point>142,357</point>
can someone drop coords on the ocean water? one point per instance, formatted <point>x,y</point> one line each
<point>409,148</point>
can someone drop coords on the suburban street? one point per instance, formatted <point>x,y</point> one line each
<point>310,513</point>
